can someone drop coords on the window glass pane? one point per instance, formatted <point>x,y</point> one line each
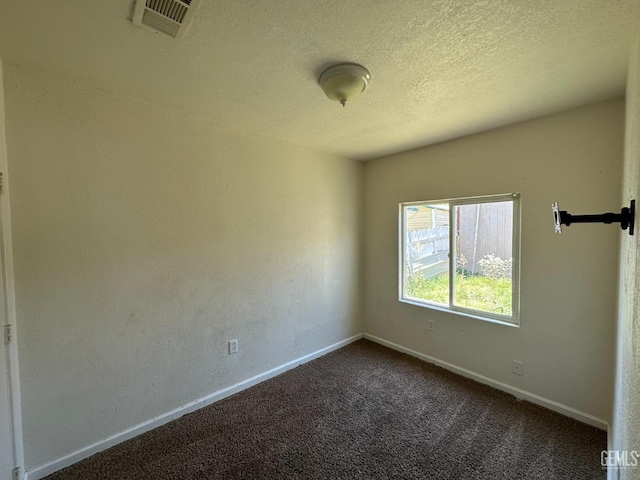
<point>484,257</point>
<point>426,262</point>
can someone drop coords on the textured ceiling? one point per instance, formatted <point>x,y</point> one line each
<point>440,68</point>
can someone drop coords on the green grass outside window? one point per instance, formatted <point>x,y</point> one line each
<point>476,292</point>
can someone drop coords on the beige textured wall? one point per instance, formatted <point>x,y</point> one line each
<point>568,281</point>
<point>626,417</point>
<point>145,239</point>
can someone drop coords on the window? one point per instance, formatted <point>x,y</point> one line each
<point>462,255</point>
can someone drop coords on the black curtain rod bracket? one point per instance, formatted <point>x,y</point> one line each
<point>626,217</point>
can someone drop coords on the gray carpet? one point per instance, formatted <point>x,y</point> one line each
<point>362,412</point>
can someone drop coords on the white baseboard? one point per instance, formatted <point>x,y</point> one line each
<point>85,452</point>
<point>516,392</point>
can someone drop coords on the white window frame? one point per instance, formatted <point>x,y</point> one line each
<point>514,318</point>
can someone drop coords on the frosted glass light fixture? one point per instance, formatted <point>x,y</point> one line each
<point>344,82</point>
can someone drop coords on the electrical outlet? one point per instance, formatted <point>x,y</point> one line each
<point>233,346</point>
<point>517,367</point>
<point>431,325</point>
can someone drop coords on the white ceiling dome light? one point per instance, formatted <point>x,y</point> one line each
<point>344,82</point>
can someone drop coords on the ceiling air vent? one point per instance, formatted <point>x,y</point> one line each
<point>171,17</point>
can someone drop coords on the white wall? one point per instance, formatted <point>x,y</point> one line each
<point>626,417</point>
<point>144,239</point>
<point>568,281</point>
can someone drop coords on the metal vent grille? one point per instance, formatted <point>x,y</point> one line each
<point>170,17</point>
<point>160,23</point>
<point>171,9</point>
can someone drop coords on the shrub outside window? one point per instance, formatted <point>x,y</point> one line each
<point>462,255</point>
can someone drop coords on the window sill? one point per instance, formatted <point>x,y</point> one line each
<point>462,313</point>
